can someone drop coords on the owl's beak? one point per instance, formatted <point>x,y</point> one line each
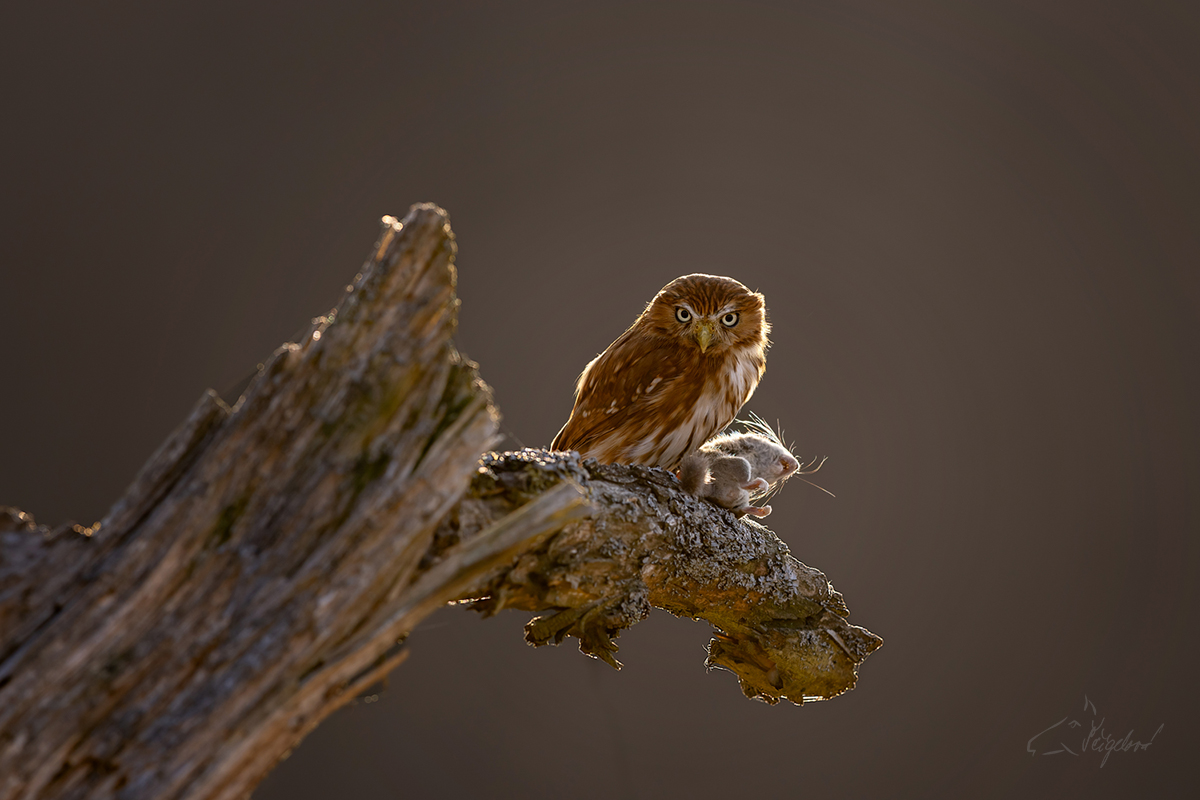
<point>705,333</point>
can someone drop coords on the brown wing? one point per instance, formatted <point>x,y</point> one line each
<point>620,390</point>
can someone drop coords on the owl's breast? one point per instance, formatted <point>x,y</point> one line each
<point>700,401</point>
<point>743,374</point>
<point>655,406</point>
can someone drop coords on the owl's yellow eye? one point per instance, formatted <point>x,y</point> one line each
<point>730,319</point>
<point>683,315</point>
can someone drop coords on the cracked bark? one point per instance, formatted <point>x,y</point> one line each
<point>269,559</point>
<point>782,628</point>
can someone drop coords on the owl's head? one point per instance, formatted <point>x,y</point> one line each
<point>710,312</point>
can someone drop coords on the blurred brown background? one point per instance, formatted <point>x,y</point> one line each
<point>976,228</point>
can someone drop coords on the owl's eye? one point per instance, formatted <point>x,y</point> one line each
<point>730,319</point>
<point>683,315</point>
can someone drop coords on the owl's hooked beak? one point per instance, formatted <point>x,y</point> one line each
<point>706,331</point>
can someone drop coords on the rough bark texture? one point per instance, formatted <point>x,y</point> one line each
<point>247,583</point>
<point>268,560</point>
<point>782,626</point>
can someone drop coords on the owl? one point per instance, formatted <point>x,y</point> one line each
<point>675,378</point>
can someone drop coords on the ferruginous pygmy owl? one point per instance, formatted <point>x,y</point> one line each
<point>675,378</point>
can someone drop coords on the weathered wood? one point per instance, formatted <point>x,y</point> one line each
<point>267,563</point>
<point>247,583</point>
<point>782,628</point>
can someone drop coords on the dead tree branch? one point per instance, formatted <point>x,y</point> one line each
<point>782,626</point>
<point>269,558</point>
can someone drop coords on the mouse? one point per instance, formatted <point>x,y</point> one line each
<point>769,459</point>
<point>725,480</point>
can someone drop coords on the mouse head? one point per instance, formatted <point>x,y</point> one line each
<point>776,462</point>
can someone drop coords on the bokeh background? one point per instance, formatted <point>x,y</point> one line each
<point>976,228</point>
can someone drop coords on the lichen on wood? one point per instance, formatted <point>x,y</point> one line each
<point>782,628</point>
